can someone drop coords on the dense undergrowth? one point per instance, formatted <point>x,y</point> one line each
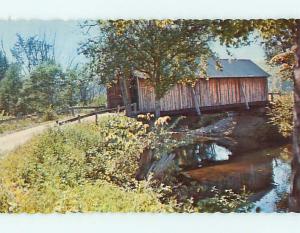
<point>82,168</point>
<point>89,167</point>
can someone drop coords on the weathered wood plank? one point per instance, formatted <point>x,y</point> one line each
<point>213,92</point>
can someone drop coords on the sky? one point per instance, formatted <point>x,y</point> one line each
<point>68,35</point>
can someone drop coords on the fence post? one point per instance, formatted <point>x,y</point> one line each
<point>96,118</point>
<point>134,108</point>
<point>118,109</point>
<point>272,97</point>
<point>78,118</point>
<point>72,111</point>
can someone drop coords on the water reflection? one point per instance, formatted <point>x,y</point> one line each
<point>275,200</point>
<point>200,154</point>
<point>266,173</point>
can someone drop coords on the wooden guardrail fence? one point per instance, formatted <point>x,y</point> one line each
<point>72,109</point>
<point>95,113</point>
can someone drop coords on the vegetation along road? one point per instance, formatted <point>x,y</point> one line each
<point>9,142</point>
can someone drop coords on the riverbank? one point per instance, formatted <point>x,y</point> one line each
<point>242,132</point>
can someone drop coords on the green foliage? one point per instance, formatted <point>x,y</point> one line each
<point>117,154</point>
<point>163,51</point>
<point>281,114</point>
<point>100,196</point>
<point>42,87</point>
<point>225,202</point>
<point>3,64</point>
<point>161,141</point>
<point>78,169</point>
<point>49,114</point>
<point>10,88</point>
<point>4,116</point>
<point>99,100</point>
<point>36,82</point>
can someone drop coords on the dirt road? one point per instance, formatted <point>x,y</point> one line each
<point>9,142</point>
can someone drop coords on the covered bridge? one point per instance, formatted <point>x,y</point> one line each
<point>240,83</point>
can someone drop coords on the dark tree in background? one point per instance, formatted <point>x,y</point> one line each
<point>3,62</point>
<point>33,82</point>
<point>10,89</point>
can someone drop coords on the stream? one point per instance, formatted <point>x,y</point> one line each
<point>265,173</point>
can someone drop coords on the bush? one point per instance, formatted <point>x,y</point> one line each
<point>4,116</point>
<point>99,100</point>
<point>49,115</point>
<point>225,202</point>
<point>100,196</point>
<point>281,114</point>
<point>79,168</point>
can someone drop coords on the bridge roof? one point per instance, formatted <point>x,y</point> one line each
<point>230,68</point>
<point>235,68</point>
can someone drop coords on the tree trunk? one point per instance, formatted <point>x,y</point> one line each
<point>196,101</point>
<point>294,200</point>
<point>125,95</point>
<point>157,107</point>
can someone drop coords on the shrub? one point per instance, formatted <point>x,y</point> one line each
<point>225,202</point>
<point>79,168</point>
<point>100,196</point>
<point>281,114</point>
<point>49,115</point>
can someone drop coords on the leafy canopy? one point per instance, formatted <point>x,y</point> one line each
<point>163,51</point>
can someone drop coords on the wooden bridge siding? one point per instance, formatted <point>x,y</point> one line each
<point>256,89</point>
<point>215,92</point>
<point>114,97</point>
<point>146,96</point>
<point>212,92</point>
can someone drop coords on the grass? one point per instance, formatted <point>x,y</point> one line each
<point>16,125</point>
<point>11,126</point>
<point>79,168</point>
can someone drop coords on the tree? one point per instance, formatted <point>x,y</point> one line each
<point>3,63</point>
<point>165,51</point>
<point>10,87</point>
<point>32,51</point>
<point>283,37</point>
<point>42,88</point>
<point>85,82</point>
<point>71,90</point>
